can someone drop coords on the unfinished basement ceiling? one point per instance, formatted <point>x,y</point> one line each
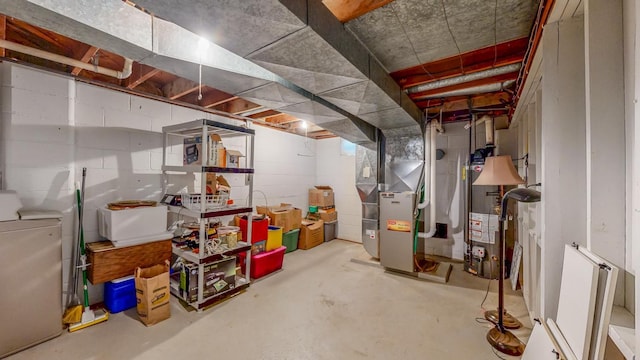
<point>347,66</point>
<point>357,59</point>
<point>407,33</point>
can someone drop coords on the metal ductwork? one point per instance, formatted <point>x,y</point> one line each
<point>149,40</point>
<point>303,42</point>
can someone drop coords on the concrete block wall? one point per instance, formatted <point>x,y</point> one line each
<point>285,168</point>
<point>38,137</point>
<point>338,171</point>
<point>53,126</point>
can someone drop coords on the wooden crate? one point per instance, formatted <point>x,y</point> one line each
<point>109,262</point>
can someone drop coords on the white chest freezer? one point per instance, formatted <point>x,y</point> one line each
<point>30,284</point>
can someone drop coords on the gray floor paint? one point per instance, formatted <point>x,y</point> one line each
<point>320,305</point>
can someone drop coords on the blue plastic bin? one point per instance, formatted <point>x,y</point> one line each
<point>120,294</point>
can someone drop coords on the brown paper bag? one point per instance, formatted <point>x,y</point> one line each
<point>152,293</point>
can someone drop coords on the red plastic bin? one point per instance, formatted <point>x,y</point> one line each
<point>259,229</point>
<point>265,263</point>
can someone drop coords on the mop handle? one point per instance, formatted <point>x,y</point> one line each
<point>80,199</point>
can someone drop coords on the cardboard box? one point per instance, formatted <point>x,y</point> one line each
<point>284,216</point>
<point>192,151</point>
<point>328,215</point>
<point>217,184</point>
<point>295,217</point>
<point>233,158</point>
<point>217,152</point>
<point>311,234</point>
<point>321,196</point>
<point>219,276</point>
<point>212,183</point>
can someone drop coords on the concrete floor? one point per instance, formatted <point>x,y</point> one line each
<point>320,306</point>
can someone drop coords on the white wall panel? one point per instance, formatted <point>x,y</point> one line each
<point>338,171</point>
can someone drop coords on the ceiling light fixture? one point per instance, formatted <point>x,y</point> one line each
<point>203,45</point>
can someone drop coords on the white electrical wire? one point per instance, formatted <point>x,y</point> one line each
<point>200,82</point>
<point>263,194</point>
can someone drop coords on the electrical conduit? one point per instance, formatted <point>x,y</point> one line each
<point>125,73</point>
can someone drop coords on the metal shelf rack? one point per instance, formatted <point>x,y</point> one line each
<point>205,128</point>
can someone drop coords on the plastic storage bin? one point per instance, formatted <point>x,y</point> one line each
<point>265,263</point>
<point>290,240</point>
<point>330,230</point>
<point>120,294</point>
<point>274,238</point>
<point>258,229</point>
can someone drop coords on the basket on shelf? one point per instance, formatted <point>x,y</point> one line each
<point>192,201</point>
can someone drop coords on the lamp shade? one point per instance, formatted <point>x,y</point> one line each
<point>498,170</point>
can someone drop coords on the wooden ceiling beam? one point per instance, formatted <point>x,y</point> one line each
<point>346,10</point>
<point>502,54</point>
<point>264,114</point>
<point>298,125</point>
<point>139,74</point>
<point>3,32</point>
<point>164,85</point>
<point>324,135</point>
<point>88,54</point>
<point>236,106</point>
<point>216,98</point>
<point>462,103</point>
<point>48,36</point>
<point>179,88</point>
<point>22,36</point>
<point>479,82</point>
<point>281,119</point>
<point>321,132</point>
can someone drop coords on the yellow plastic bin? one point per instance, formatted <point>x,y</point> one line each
<point>274,238</point>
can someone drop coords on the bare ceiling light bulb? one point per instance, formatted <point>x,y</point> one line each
<point>203,45</point>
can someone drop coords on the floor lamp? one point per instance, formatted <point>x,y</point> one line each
<point>499,170</point>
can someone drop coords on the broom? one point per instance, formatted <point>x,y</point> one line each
<point>73,313</point>
<point>88,316</point>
